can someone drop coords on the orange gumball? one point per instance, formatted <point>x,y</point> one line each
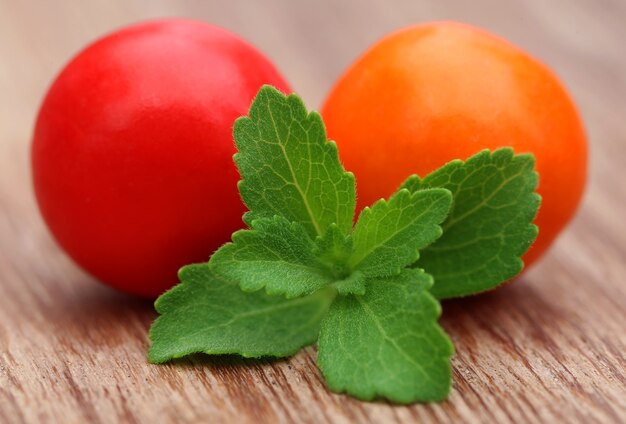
<point>428,94</point>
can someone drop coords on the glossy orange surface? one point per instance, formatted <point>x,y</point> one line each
<point>431,93</point>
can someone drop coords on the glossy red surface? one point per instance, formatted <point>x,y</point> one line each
<point>132,151</point>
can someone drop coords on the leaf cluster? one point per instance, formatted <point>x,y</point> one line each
<point>367,293</point>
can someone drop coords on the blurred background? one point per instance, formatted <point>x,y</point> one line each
<point>313,41</point>
<point>70,346</point>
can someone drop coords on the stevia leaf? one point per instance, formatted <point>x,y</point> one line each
<point>289,168</point>
<point>386,343</point>
<point>489,226</point>
<point>388,236</point>
<point>333,246</point>
<point>276,255</point>
<point>334,250</point>
<point>355,283</point>
<point>208,314</point>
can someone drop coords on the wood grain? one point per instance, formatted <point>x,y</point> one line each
<point>549,348</point>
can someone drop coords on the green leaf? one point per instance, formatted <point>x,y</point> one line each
<point>209,314</point>
<point>388,236</point>
<point>276,255</point>
<point>353,284</point>
<point>490,225</point>
<point>289,168</point>
<point>334,250</point>
<point>333,246</point>
<point>387,344</point>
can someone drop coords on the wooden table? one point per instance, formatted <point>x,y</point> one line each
<point>550,348</point>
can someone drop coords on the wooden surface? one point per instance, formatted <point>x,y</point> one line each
<point>552,346</point>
